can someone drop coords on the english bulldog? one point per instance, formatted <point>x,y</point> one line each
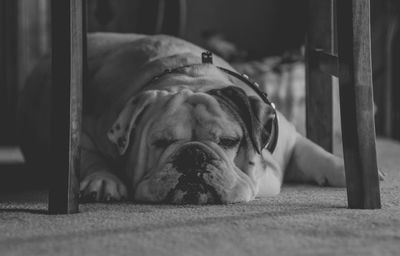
<point>166,122</point>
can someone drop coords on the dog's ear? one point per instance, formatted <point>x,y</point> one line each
<point>256,116</point>
<point>127,120</point>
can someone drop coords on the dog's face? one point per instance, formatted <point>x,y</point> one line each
<point>193,147</point>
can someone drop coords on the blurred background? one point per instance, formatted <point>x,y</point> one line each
<point>263,38</point>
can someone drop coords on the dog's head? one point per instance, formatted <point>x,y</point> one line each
<point>193,147</point>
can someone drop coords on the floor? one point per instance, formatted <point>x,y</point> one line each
<point>302,220</point>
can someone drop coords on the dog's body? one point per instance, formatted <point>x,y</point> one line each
<point>181,138</point>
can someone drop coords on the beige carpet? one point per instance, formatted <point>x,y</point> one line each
<point>302,220</point>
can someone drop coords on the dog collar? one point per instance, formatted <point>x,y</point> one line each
<point>207,58</point>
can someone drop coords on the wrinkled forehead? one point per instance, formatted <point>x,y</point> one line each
<point>196,115</point>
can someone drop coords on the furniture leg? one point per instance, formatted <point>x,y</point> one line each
<point>67,74</point>
<point>356,104</point>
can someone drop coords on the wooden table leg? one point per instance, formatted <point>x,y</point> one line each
<point>356,100</point>
<point>319,113</point>
<point>67,75</point>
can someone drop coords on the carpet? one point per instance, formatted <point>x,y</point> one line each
<point>302,220</point>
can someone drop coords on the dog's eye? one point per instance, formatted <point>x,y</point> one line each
<point>227,142</point>
<point>163,143</point>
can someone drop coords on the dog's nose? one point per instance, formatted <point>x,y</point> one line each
<point>192,163</point>
<point>192,158</point>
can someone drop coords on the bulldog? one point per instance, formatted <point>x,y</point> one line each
<point>166,122</point>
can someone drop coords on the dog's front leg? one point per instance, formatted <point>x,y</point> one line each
<point>311,163</point>
<point>98,183</point>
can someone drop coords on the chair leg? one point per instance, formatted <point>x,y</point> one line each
<point>175,18</point>
<point>356,104</point>
<point>67,66</point>
<point>318,84</point>
<point>8,70</point>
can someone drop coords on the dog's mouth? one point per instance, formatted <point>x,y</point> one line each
<point>192,189</point>
<point>195,174</point>
<point>193,163</point>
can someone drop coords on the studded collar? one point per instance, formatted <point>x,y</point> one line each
<point>208,59</point>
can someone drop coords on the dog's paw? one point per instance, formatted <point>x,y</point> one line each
<point>102,187</point>
<point>333,176</point>
<point>333,180</point>
<point>338,178</point>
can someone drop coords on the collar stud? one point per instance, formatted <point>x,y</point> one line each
<point>206,57</point>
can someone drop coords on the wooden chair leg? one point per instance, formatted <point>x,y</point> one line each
<point>67,71</point>
<point>356,104</point>
<point>175,18</point>
<point>318,84</point>
<point>8,70</point>
<point>161,16</point>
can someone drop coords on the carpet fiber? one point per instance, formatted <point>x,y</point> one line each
<point>302,220</point>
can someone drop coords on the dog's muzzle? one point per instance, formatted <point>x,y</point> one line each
<point>193,162</point>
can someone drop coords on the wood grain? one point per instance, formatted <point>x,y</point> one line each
<point>67,79</point>
<point>356,99</point>
<point>319,115</point>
